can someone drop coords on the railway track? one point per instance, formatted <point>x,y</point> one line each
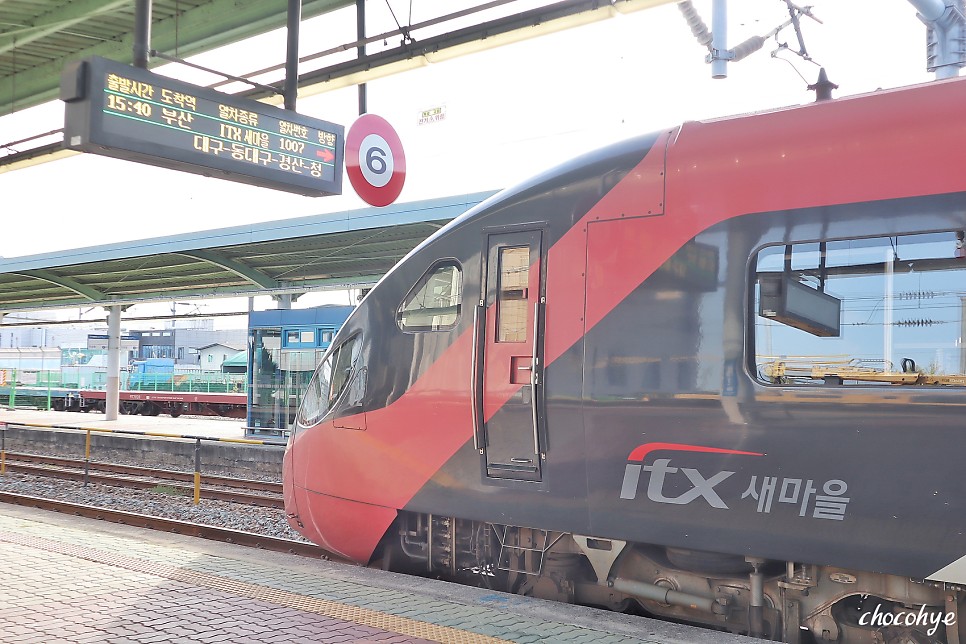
<point>238,537</point>
<point>222,488</point>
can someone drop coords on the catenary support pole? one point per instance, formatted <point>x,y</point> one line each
<point>719,39</point>
<point>113,362</point>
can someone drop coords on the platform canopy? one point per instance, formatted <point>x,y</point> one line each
<point>338,250</point>
<point>37,37</point>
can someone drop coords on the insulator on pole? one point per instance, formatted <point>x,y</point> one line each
<point>698,28</point>
<point>747,48</point>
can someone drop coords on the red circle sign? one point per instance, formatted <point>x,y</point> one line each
<point>374,160</point>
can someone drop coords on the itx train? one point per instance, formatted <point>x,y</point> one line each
<point>714,373</point>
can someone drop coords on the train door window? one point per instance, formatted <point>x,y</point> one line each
<point>434,303</point>
<point>886,311</point>
<point>512,295</point>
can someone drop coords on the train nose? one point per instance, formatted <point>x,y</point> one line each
<point>288,487</point>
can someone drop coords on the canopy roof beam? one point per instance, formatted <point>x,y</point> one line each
<point>58,20</point>
<point>254,276</point>
<point>57,280</point>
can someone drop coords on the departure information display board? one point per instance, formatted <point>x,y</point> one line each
<point>130,113</point>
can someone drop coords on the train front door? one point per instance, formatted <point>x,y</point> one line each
<point>509,369</point>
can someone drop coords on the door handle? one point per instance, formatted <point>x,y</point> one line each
<point>534,378</point>
<point>475,384</point>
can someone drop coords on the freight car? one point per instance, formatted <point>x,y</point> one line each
<point>144,403</point>
<point>715,373</point>
<point>173,403</point>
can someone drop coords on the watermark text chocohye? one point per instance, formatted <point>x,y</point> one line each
<point>932,619</point>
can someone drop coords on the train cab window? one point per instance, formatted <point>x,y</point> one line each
<point>886,311</point>
<point>344,359</point>
<point>512,296</point>
<point>315,400</point>
<point>433,304</point>
<point>329,381</point>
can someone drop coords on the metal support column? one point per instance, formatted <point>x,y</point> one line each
<point>113,361</point>
<point>292,54</point>
<point>930,10</point>
<point>945,22</point>
<point>142,32</point>
<point>962,332</point>
<point>361,51</point>
<point>719,39</point>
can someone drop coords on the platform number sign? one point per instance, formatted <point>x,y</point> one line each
<point>375,160</point>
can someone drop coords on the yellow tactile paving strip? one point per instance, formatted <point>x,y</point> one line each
<point>335,610</point>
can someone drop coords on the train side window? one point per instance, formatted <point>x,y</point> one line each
<point>887,311</point>
<point>433,304</point>
<point>512,296</point>
<point>329,381</point>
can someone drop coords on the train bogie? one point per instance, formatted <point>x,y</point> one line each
<point>714,373</point>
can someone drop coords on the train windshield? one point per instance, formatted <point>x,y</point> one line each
<point>881,311</point>
<point>329,381</point>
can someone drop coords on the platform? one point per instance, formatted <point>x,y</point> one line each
<point>181,426</point>
<point>68,579</point>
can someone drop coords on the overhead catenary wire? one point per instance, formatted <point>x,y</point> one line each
<point>707,38</point>
<point>407,37</point>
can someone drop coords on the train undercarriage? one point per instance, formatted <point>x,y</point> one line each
<point>777,600</point>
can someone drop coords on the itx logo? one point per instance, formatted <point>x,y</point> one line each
<point>661,468</point>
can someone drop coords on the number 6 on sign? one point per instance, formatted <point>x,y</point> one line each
<point>374,160</point>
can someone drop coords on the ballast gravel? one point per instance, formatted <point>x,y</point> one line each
<point>167,504</point>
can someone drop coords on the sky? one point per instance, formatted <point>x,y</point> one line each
<point>510,112</point>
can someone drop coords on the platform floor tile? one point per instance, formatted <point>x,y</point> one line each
<point>71,580</point>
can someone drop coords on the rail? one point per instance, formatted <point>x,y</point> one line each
<point>238,490</point>
<point>90,430</point>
